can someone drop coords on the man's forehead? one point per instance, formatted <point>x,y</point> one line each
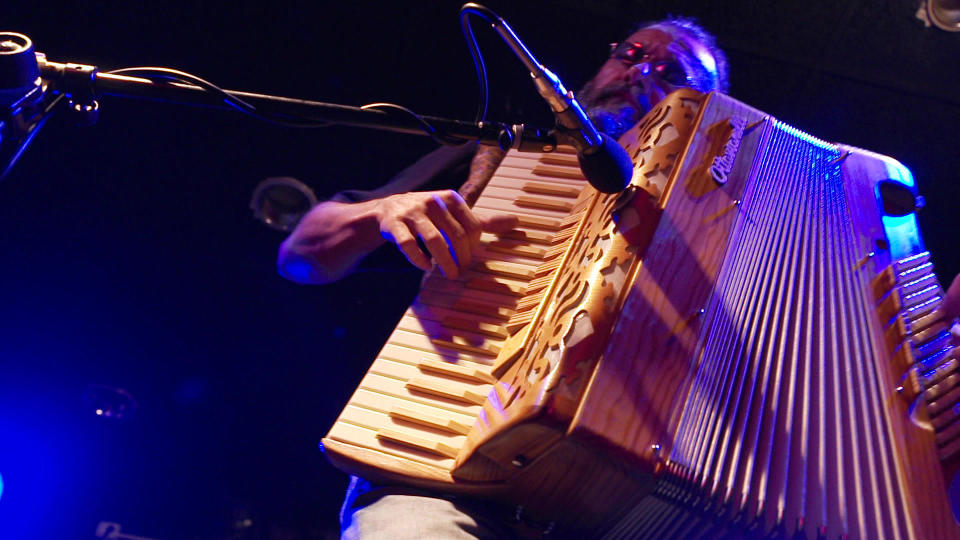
<point>651,34</point>
<point>682,41</point>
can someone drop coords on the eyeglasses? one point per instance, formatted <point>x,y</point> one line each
<point>632,54</point>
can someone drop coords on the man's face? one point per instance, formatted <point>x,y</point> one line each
<point>651,63</point>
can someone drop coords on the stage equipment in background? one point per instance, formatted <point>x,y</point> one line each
<point>113,531</point>
<point>24,103</point>
<point>110,402</point>
<point>282,202</point>
<point>944,14</point>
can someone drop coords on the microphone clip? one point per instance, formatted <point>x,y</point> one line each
<point>76,81</point>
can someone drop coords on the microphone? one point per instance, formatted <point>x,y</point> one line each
<point>603,161</point>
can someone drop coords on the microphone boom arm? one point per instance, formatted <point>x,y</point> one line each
<point>77,78</point>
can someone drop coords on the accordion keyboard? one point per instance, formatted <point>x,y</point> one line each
<point>423,392</point>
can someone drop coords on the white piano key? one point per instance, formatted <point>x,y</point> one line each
<point>366,437</point>
<point>509,176</point>
<point>384,403</point>
<point>457,388</point>
<point>390,386</point>
<point>436,330</point>
<point>458,290</point>
<point>416,341</point>
<point>510,207</point>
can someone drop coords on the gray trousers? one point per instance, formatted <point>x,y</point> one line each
<point>400,513</point>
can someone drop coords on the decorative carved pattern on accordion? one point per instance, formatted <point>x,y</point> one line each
<point>560,331</point>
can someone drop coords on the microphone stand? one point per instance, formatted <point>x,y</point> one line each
<point>81,85</point>
<point>86,82</point>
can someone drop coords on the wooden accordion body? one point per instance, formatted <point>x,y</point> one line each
<point>746,341</point>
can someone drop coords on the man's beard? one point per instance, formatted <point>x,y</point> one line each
<point>610,112</point>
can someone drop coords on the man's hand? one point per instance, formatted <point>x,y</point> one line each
<point>333,237</point>
<point>951,307</point>
<point>450,231</point>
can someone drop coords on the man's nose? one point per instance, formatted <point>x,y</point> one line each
<point>641,69</point>
<point>638,74</point>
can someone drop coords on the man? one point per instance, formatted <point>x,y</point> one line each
<point>335,236</point>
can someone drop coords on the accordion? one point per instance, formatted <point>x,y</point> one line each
<point>748,340</point>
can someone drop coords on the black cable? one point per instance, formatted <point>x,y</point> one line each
<point>427,128</point>
<point>28,138</point>
<point>479,66</point>
<point>167,74</point>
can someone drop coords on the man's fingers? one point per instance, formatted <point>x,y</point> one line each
<point>441,212</point>
<point>438,245</point>
<point>462,213</point>
<point>446,225</point>
<point>406,242</point>
<point>498,223</point>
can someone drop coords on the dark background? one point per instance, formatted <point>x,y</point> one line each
<point>129,258</point>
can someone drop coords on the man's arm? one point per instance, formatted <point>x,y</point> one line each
<point>333,237</point>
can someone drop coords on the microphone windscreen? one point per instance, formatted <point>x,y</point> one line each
<point>608,168</point>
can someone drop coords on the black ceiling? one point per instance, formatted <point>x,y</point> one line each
<point>130,258</point>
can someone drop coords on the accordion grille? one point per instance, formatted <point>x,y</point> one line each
<point>787,419</point>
